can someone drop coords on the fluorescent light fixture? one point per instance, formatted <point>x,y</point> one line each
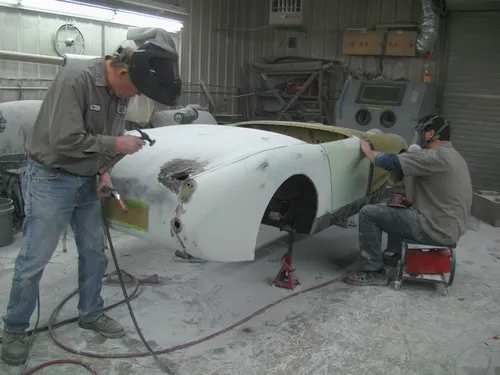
<point>68,8</point>
<point>92,12</point>
<point>141,20</point>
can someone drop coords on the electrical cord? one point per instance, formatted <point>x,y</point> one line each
<point>62,323</point>
<point>162,364</point>
<point>158,352</point>
<point>51,325</point>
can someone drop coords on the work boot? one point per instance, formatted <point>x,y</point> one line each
<point>105,326</point>
<point>375,278</point>
<point>15,348</point>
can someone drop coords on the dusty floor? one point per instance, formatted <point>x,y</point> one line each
<point>338,329</point>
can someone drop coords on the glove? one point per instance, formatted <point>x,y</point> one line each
<point>399,201</point>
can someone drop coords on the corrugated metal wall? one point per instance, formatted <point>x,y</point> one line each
<point>223,36</point>
<point>471,99</point>
<point>218,42</point>
<point>31,32</point>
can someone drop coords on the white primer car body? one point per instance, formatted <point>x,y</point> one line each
<point>206,189</point>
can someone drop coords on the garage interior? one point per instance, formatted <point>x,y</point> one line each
<point>242,60</point>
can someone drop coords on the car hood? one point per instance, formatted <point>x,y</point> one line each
<point>207,145</point>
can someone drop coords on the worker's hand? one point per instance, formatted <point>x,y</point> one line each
<point>366,148</point>
<point>128,144</point>
<point>104,180</point>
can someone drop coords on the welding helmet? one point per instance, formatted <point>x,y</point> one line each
<point>154,70</point>
<point>424,126</point>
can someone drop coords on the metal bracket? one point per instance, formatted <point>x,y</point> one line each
<point>210,99</point>
<point>276,94</point>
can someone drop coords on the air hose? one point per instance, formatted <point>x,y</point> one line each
<point>161,363</point>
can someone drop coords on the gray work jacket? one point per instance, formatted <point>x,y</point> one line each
<point>79,120</point>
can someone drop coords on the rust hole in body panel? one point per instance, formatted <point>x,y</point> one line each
<point>173,173</point>
<point>181,176</point>
<point>176,225</point>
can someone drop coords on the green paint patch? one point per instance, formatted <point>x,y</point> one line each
<point>137,217</point>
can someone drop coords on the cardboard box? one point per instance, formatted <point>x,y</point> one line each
<point>362,42</point>
<point>369,43</point>
<point>401,43</point>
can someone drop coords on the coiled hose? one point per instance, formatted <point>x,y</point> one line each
<point>162,364</point>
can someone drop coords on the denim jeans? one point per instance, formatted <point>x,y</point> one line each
<point>398,223</point>
<point>52,199</point>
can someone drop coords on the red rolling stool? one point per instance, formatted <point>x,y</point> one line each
<point>426,263</point>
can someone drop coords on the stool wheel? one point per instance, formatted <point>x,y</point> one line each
<point>453,266</point>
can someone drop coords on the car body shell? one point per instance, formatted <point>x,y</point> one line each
<point>206,189</point>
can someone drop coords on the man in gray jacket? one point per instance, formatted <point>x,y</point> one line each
<point>437,179</point>
<point>79,127</point>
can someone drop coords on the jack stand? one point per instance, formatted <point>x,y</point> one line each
<point>285,277</point>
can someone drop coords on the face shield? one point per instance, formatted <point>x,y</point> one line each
<point>141,109</point>
<point>419,137</point>
<point>154,70</point>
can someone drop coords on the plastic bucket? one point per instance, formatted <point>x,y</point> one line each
<point>6,222</point>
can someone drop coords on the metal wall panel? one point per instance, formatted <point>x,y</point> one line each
<point>32,32</point>
<point>471,98</point>
<point>220,40</point>
<point>223,36</point>
<point>473,4</point>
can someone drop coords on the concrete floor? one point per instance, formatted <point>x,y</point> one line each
<point>338,329</point>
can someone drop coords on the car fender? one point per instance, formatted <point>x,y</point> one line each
<point>222,218</point>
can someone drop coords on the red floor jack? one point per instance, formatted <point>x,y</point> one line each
<point>426,263</point>
<point>285,277</point>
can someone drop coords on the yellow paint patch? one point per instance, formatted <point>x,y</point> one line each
<point>136,218</point>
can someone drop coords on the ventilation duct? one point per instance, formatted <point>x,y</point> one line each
<point>429,27</point>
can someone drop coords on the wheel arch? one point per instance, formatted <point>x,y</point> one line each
<point>294,205</point>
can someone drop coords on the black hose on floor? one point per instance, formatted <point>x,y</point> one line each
<point>161,364</point>
<point>52,325</point>
<point>161,351</point>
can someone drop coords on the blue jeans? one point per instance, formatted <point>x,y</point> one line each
<point>52,199</point>
<point>398,223</point>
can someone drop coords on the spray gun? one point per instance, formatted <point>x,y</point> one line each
<point>111,191</point>
<point>114,193</point>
